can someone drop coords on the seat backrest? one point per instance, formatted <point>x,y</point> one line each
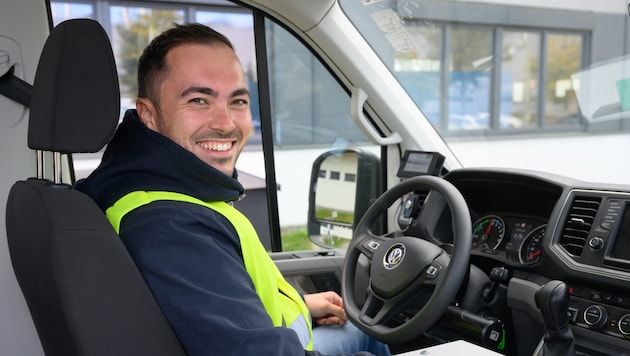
<point>83,290</point>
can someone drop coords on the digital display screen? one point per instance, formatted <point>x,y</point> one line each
<point>419,162</point>
<point>520,230</point>
<point>416,163</point>
<point>621,247</point>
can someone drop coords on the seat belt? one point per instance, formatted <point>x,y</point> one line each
<point>15,88</point>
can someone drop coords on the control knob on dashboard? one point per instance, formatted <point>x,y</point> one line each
<point>595,316</point>
<point>624,325</point>
<point>596,243</point>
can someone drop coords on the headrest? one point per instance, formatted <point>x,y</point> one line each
<point>76,99</point>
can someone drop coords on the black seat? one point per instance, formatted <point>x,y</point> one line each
<point>84,293</point>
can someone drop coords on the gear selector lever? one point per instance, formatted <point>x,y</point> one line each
<point>553,301</point>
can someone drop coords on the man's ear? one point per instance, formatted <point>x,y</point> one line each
<point>147,113</point>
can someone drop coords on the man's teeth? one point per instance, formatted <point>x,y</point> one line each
<point>217,146</point>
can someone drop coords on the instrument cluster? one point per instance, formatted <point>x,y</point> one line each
<point>514,239</point>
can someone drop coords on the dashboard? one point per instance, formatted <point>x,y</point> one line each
<point>542,227</point>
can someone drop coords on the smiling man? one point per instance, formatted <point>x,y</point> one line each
<point>165,183</point>
<point>202,104</point>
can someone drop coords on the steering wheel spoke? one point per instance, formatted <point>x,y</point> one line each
<point>371,312</point>
<point>377,310</point>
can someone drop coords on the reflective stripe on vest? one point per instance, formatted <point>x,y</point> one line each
<point>282,302</point>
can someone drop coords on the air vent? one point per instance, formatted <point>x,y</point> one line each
<point>579,223</point>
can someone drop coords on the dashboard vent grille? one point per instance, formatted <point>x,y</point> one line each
<point>579,223</point>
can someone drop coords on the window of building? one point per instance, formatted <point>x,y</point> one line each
<point>564,53</point>
<point>491,78</point>
<point>419,69</point>
<point>520,73</point>
<point>469,62</point>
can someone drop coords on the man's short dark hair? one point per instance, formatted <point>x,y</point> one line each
<point>152,67</point>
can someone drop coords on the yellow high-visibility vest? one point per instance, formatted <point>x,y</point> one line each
<point>282,302</point>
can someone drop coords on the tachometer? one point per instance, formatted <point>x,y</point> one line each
<point>488,232</point>
<point>531,249</point>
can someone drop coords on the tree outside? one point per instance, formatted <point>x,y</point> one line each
<point>134,28</point>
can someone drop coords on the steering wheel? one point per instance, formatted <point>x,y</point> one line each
<point>405,271</point>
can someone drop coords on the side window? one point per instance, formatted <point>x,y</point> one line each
<point>310,114</point>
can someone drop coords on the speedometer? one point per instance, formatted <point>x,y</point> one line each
<point>531,249</point>
<point>488,232</point>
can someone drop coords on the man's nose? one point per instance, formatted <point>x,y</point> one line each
<point>221,118</point>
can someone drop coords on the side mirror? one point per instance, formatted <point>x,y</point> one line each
<point>343,184</point>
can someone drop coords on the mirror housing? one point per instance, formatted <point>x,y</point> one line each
<point>343,184</point>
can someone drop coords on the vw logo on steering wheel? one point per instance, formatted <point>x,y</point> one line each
<point>394,256</point>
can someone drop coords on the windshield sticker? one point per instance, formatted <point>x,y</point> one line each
<point>388,21</point>
<point>401,41</point>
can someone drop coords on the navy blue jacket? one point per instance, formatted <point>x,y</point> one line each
<point>189,255</point>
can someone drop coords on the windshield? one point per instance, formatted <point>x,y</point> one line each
<point>543,86</point>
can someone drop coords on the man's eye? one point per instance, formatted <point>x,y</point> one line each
<point>240,102</point>
<point>198,101</point>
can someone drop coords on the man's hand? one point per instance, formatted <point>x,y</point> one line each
<point>326,308</point>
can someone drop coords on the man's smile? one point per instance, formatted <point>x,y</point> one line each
<point>216,146</point>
